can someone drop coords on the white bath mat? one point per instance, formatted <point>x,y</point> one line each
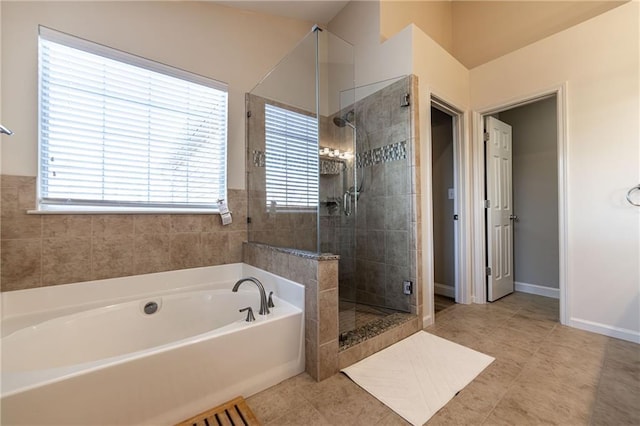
<point>418,375</point>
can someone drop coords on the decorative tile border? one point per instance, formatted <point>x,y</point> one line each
<point>259,158</point>
<point>392,152</point>
<point>331,167</point>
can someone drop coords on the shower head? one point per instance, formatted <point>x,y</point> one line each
<point>345,120</point>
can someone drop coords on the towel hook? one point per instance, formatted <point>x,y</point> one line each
<point>631,191</point>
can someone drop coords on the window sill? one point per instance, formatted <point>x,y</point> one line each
<point>118,210</point>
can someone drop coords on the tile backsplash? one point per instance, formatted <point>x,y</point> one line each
<point>42,250</point>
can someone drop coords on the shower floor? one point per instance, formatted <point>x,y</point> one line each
<point>354,315</point>
<point>359,322</point>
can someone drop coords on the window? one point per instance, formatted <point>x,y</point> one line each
<point>291,160</point>
<point>121,132</point>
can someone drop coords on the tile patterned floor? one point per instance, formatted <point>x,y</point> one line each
<point>544,373</point>
<point>440,303</point>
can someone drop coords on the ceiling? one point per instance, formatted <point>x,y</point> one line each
<point>316,11</point>
<point>473,31</point>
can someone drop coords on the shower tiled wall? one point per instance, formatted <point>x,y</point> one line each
<point>382,253</point>
<point>41,250</point>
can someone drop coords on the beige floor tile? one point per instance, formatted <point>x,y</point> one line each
<point>528,326</point>
<point>573,367</point>
<point>542,402</point>
<point>272,403</point>
<point>623,351</point>
<point>618,396</point>
<point>454,414</point>
<point>579,339</point>
<point>504,351</point>
<point>544,373</point>
<point>516,338</point>
<point>303,414</point>
<point>393,419</point>
<point>350,405</point>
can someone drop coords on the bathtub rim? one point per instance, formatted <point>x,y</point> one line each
<point>33,306</point>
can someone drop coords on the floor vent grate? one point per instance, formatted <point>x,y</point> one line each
<point>233,413</point>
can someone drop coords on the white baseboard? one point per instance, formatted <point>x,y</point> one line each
<point>540,290</point>
<point>607,330</point>
<point>444,290</point>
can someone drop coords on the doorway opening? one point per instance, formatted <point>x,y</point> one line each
<point>522,202</point>
<point>447,201</point>
<point>444,209</point>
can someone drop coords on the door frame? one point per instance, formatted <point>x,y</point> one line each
<point>480,255</point>
<point>463,199</point>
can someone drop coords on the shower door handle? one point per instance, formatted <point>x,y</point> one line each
<point>346,203</point>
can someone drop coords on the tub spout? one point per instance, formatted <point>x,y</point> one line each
<point>264,308</point>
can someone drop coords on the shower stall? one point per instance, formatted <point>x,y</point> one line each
<point>329,170</point>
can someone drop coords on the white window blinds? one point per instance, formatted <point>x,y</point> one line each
<point>291,159</point>
<point>117,130</point>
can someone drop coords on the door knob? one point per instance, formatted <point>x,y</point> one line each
<point>513,217</point>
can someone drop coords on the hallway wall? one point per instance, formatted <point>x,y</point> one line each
<point>535,193</point>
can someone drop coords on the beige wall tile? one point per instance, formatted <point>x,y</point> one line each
<point>152,253</point>
<point>20,225</point>
<point>327,274</point>
<point>112,256</point>
<point>311,330</point>
<point>152,223</point>
<point>215,246</point>
<point>54,226</point>
<point>328,312</point>
<point>121,245</point>
<point>234,254</point>
<point>186,250</point>
<point>116,224</point>
<point>9,198</point>
<point>311,300</point>
<point>304,271</point>
<point>27,195</point>
<point>21,264</point>
<point>11,181</point>
<point>186,223</point>
<point>311,359</point>
<point>280,264</point>
<point>328,360</point>
<point>212,223</point>
<point>66,260</point>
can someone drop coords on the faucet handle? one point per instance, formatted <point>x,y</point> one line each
<point>250,316</point>
<point>270,303</point>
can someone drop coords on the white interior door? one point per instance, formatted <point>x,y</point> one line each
<point>499,210</point>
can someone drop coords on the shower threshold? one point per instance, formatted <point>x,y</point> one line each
<point>359,322</point>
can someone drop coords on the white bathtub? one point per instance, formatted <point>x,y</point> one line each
<point>88,354</point>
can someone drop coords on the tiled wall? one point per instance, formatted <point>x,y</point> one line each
<point>377,258</point>
<point>319,275</point>
<point>42,250</point>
